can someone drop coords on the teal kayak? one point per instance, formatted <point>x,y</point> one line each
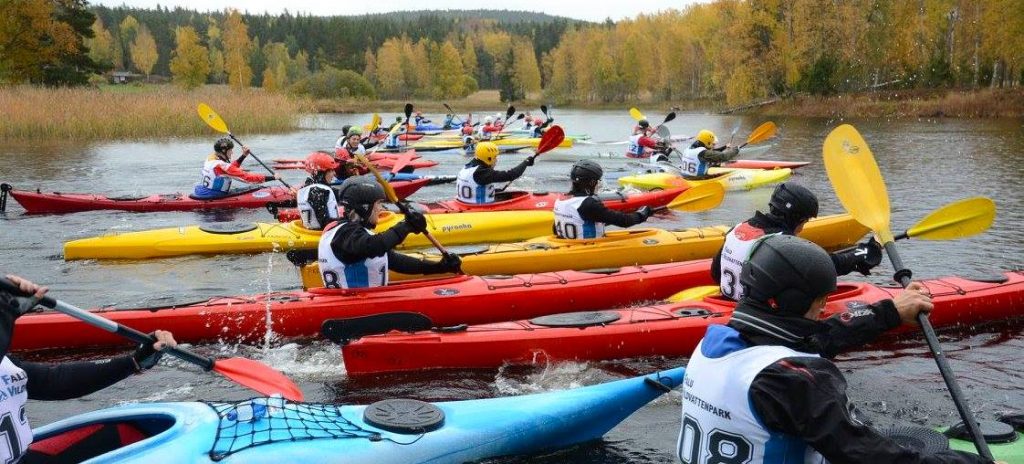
<point>273,431</point>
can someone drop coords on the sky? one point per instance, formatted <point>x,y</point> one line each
<point>592,10</point>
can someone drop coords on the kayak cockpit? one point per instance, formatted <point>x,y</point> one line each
<point>78,442</point>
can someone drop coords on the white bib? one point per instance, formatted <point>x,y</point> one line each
<point>370,272</point>
<point>739,242</point>
<point>210,178</point>
<point>570,225</point>
<point>691,165</point>
<point>468,191</point>
<point>308,211</point>
<point>15,432</point>
<point>718,424</point>
<point>634,149</point>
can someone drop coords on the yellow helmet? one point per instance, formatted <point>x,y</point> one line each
<point>487,152</point>
<point>707,138</point>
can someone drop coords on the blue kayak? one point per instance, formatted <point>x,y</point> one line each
<point>406,176</point>
<point>270,430</point>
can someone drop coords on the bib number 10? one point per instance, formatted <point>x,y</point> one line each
<point>718,447</point>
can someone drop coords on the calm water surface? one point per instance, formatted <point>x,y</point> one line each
<point>926,163</point>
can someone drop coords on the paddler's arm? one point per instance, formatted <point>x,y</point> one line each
<point>806,397</point>
<point>486,175</point>
<point>408,265</point>
<point>859,326</point>
<point>719,155</point>
<point>318,200</point>
<point>592,209</point>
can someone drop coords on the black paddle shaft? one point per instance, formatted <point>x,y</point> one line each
<point>902,276</point>
<point>253,155</point>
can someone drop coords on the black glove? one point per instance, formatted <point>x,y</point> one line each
<point>451,263</point>
<point>145,356</point>
<point>645,212</point>
<point>529,160</point>
<point>868,255</point>
<point>416,221</point>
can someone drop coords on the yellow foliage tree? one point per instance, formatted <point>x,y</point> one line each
<point>101,45</point>
<point>30,38</point>
<point>237,47</point>
<point>190,63</point>
<point>144,52</point>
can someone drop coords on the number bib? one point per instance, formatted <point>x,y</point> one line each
<point>634,149</point>
<point>308,211</point>
<point>739,242</point>
<point>468,191</point>
<point>719,426</point>
<point>570,225</point>
<point>210,178</point>
<point>14,427</point>
<point>691,165</point>
<point>370,272</point>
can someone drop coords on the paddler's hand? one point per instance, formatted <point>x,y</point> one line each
<point>25,304</point>
<point>914,299</point>
<point>416,221</point>
<point>148,355</point>
<point>246,150</point>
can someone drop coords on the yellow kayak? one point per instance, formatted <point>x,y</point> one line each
<point>449,229</point>
<point>501,142</point>
<point>731,178</point>
<point>620,248</point>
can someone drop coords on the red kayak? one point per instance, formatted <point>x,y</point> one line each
<point>257,197</point>
<point>765,164</point>
<point>449,301</point>
<point>380,160</point>
<point>662,330</point>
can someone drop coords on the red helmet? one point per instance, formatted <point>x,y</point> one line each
<point>320,161</point>
<point>538,121</point>
<point>342,154</point>
<point>467,130</point>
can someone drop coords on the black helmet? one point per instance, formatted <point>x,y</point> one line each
<point>644,123</point>
<point>584,170</point>
<point>794,203</point>
<point>344,130</point>
<point>223,145</point>
<point>789,270</point>
<point>359,194</point>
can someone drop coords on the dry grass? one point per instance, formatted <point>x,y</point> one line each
<point>986,103</point>
<point>143,112</point>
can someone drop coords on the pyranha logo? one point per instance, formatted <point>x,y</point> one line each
<point>456,227</point>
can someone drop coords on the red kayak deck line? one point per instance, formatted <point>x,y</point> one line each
<point>664,330</point>
<point>449,301</point>
<point>56,202</point>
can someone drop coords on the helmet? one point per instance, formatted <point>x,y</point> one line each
<point>538,121</point>
<point>344,130</point>
<point>790,271</point>
<point>586,170</point>
<point>342,154</point>
<point>320,161</point>
<point>358,194</point>
<point>223,145</point>
<point>355,130</point>
<point>644,124</point>
<point>398,119</point>
<point>488,120</point>
<point>487,152</point>
<point>707,138</point>
<point>794,203</point>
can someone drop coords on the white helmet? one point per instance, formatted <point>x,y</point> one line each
<point>488,120</point>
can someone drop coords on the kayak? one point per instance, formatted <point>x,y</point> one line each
<point>662,330</point>
<point>445,300</point>
<point>618,248</point>
<point>379,160</point>
<point>404,185</point>
<point>57,202</point>
<point>506,141</point>
<point>257,237</point>
<point>731,179</point>
<point>392,431</point>
<point>520,201</point>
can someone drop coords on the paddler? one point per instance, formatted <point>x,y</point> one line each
<point>643,142</point>
<point>352,255</point>
<point>702,154</point>
<point>345,154</point>
<point>488,129</point>
<point>219,171</point>
<point>583,216</point>
<point>539,126</point>
<point>789,208</point>
<point>25,380</point>
<point>318,205</point>
<point>762,388</point>
<point>475,182</point>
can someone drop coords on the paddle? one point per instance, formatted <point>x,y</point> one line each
<point>698,198</point>
<point>960,219</point>
<point>343,331</point>
<point>508,114</point>
<point>858,183</point>
<point>246,372</point>
<point>374,124</point>
<point>520,117</point>
<point>452,112</point>
<point>760,134</point>
<point>551,139</point>
<point>735,129</point>
<point>636,114</point>
<point>212,119</point>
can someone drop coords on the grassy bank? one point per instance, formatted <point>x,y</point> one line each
<point>143,112</point>
<point>997,103</point>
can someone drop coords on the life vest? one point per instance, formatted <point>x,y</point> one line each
<point>468,191</point>
<point>368,273</point>
<point>691,165</point>
<point>210,179</point>
<point>570,225</point>
<point>308,211</point>
<point>739,242</point>
<point>13,419</point>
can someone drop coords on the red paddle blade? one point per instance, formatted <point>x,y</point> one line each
<point>402,161</point>
<point>259,377</point>
<point>552,138</point>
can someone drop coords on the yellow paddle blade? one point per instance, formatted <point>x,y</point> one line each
<point>374,122</point>
<point>857,181</point>
<point>212,119</point>
<point>761,133</point>
<point>636,114</point>
<point>964,218</point>
<point>700,198</point>
<point>389,191</point>
<point>690,294</point>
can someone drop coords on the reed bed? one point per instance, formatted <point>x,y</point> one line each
<point>986,103</point>
<point>141,113</point>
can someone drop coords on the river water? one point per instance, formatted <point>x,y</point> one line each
<point>926,164</point>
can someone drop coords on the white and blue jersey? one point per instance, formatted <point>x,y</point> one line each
<point>691,164</point>
<point>468,191</point>
<point>569,224</point>
<point>370,272</point>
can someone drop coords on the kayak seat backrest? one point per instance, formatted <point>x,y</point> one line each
<point>92,440</point>
<point>923,439</point>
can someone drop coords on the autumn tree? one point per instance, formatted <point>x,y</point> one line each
<point>101,45</point>
<point>190,64</point>
<point>237,51</point>
<point>144,52</point>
